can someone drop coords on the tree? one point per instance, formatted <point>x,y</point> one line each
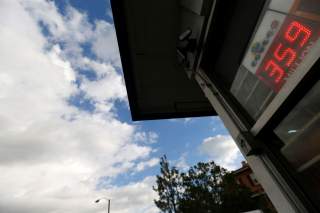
<point>168,184</point>
<point>204,188</point>
<point>234,197</point>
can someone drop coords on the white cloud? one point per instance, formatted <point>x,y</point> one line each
<point>181,163</point>
<point>105,44</point>
<point>140,136</point>
<point>153,137</point>
<point>134,197</point>
<point>53,154</point>
<point>73,29</point>
<point>108,87</point>
<point>146,137</point>
<point>147,164</point>
<point>183,120</point>
<point>223,150</point>
<point>122,195</point>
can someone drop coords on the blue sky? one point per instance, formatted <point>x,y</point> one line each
<point>178,138</point>
<point>66,126</point>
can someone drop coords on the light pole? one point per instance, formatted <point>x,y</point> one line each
<point>107,199</point>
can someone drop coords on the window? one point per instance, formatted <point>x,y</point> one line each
<point>287,35</point>
<point>300,133</point>
<point>284,47</point>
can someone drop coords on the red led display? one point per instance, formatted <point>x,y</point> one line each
<point>295,31</point>
<point>287,51</point>
<point>288,54</point>
<point>274,71</point>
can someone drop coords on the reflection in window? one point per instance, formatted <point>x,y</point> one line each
<point>285,37</point>
<point>300,132</point>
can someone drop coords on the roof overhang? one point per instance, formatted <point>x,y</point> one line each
<point>157,85</point>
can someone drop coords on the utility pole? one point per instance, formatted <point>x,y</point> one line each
<point>109,205</point>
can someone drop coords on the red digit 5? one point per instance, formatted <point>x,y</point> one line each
<point>288,53</point>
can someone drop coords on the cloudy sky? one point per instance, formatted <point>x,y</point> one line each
<point>66,134</point>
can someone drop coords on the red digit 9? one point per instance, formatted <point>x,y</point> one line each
<point>297,30</point>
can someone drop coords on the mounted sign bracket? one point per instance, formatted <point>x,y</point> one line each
<point>195,21</point>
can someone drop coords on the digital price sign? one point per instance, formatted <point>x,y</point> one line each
<point>292,43</point>
<point>283,40</point>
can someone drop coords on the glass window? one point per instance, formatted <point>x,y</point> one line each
<point>300,133</point>
<point>285,37</point>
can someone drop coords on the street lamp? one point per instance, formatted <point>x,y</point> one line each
<point>107,199</point>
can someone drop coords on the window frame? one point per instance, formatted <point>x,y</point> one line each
<point>258,135</point>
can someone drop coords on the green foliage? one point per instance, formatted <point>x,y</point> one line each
<point>236,198</point>
<point>168,187</point>
<point>204,188</point>
<point>202,184</point>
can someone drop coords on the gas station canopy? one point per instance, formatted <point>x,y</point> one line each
<point>157,86</point>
